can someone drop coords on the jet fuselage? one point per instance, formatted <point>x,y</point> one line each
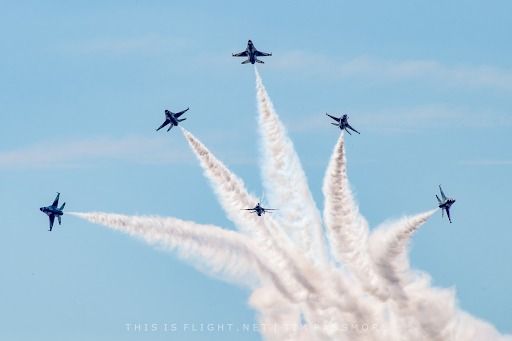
<point>49,210</point>
<point>259,210</point>
<point>251,51</point>
<point>171,118</point>
<point>447,204</point>
<point>343,122</point>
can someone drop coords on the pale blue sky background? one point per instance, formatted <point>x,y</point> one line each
<point>84,84</point>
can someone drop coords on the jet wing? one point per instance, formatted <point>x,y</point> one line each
<point>442,193</point>
<point>56,201</point>
<point>350,127</point>
<point>178,114</point>
<point>52,218</point>
<point>163,125</point>
<point>241,54</point>
<point>448,214</point>
<point>334,118</point>
<point>261,54</point>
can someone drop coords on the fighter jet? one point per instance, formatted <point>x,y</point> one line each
<point>342,123</point>
<point>445,203</point>
<point>252,54</point>
<point>259,210</point>
<point>53,211</point>
<point>172,119</point>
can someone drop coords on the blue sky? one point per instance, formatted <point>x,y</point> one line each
<point>84,85</point>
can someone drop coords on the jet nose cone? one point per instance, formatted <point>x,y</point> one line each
<point>41,209</point>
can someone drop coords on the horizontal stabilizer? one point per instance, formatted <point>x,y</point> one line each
<point>246,61</point>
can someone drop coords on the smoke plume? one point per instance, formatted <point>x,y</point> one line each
<point>345,284</point>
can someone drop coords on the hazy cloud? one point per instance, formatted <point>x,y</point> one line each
<point>150,44</point>
<point>488,162</point>
<point>59,154</point>
<point>463,75</point>
<point>408,119</point>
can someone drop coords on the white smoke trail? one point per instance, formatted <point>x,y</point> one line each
<point>285,181</point>
<point>423,312</point>
<point>426,312</point>
<point>346,228</point>
<point>229,188</point>
<point>282,318</point>
<point>319,299</point>
<point>222,251</point>
<point>234,197</point>
<point>294,267</point>
<point>214,251</point>
<point>469,328</point>
<point>389,247</point>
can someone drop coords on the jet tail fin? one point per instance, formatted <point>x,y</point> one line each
<point>62,207</point>
<point>170,127</point>
<point>58,217</point>
<point>246,61</point>
<point>439,200</point>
